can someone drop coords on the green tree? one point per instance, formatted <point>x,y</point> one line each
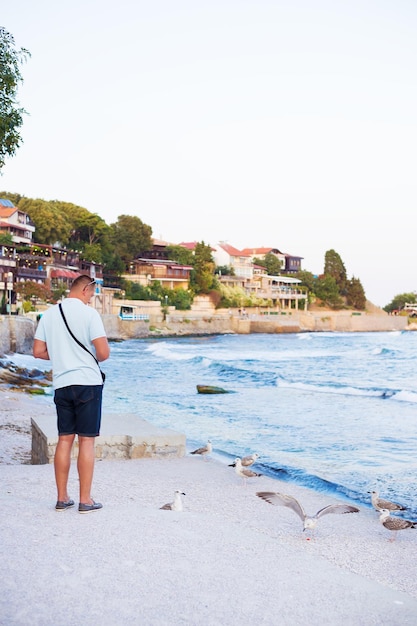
<point>333,266</point>
<point>271,263</point>
<point>135,291</point>
<point>355,294</point>
<point>6,239</point>
<point>181,299</point>
<point>180,255</point>
<point>60,290</point>
<point>224,270</point>
<point>202,277</point>
<point>130,236</point>
<point>307,280</point>
<point>327,290</point>
<point>86,228</point>
<point>398,302</point>
<point>11,115</point>
<point>52,225</point>
<point>13,197</point>
<point>30,289</point>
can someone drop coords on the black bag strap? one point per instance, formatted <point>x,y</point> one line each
<point>75,338</point>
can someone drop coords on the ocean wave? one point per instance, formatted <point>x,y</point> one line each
<point>384,352</point>
<point>340,389</point>
<point>313,482</point>
<point>321,485</point>
<point>239,375</point>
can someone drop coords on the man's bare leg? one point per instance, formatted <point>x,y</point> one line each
<point>62,464</point>
<point>85,465</point>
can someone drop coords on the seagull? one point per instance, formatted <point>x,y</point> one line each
<point>394,523</point>
<point>244,472</point>
<point>292,503</point>
<point>177,504</point>
<point>247,461</point>
<point>379,504</point>
<point>204,450</point>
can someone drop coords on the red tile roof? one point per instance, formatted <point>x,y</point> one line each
<point>233,251</point>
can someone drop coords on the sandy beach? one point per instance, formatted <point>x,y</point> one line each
<point>227,558</point>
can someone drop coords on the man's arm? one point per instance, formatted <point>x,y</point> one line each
<point>40,350</point>
<point>102,348</point>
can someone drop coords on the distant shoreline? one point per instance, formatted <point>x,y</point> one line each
<point>17,332</point>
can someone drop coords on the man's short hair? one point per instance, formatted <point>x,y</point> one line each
<point>82,281</point>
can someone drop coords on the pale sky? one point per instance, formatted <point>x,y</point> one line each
<point>282,123</point>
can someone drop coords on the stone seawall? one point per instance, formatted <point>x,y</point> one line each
<point>17,332</point>
<point>176,324</point>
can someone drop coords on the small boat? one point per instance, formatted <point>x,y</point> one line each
<point>210,389</point>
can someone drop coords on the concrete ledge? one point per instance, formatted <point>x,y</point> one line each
<point>143,441</point>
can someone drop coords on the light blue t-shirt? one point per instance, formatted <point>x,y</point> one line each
<point>71,365</point>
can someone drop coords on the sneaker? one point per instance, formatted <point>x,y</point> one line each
<point>63,506</point>
<point>89,508</point>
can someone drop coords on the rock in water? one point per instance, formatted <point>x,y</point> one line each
<point>210,389</point>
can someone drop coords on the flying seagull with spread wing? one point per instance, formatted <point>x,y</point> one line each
<point>176,505</point>
<point>379,503</point>
<point>394,524</point>
<point>280,499</point>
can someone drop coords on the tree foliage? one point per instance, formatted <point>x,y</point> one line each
<point>130,236</point>
<point>202,277</point>
<point>180,255</point>
<point>225,270</point>
<point>307,280</point>
<point>355,294</point>
<point>52,225</point>
<point>334,266</point>
<point>271,263</point>
<point>86,228</point>
<point>69,225</point>
<point>6,239</point>
<point>398,302</point>
<point>327,290</point>
<point>11,115</point>
<point>30,289</point>
<point>180,298</point>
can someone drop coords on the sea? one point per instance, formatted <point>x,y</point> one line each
<point>333,412</point>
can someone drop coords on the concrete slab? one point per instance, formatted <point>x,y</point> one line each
<point>125,436</point>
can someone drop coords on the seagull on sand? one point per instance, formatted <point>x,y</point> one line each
<point>308,522</point>
<point>247,461</point>
<point>205,450</point>
<point>379,504</point>
<point>244,472</point>
<point>394,523</point>
<point>177,504</point>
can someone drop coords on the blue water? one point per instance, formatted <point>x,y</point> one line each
<point>336,412</point>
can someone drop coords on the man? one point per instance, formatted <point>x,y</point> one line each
<point>77,383</point>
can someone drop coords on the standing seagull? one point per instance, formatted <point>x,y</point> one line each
<point>205,450</point>
<point>379,504</point>
<point>394,523</point>
<point>177,504</point>
<point>247,461</point>
<point>244,472</point>
<point>292,503</point>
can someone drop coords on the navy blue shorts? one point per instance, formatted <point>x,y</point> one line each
<point>78,409</point>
